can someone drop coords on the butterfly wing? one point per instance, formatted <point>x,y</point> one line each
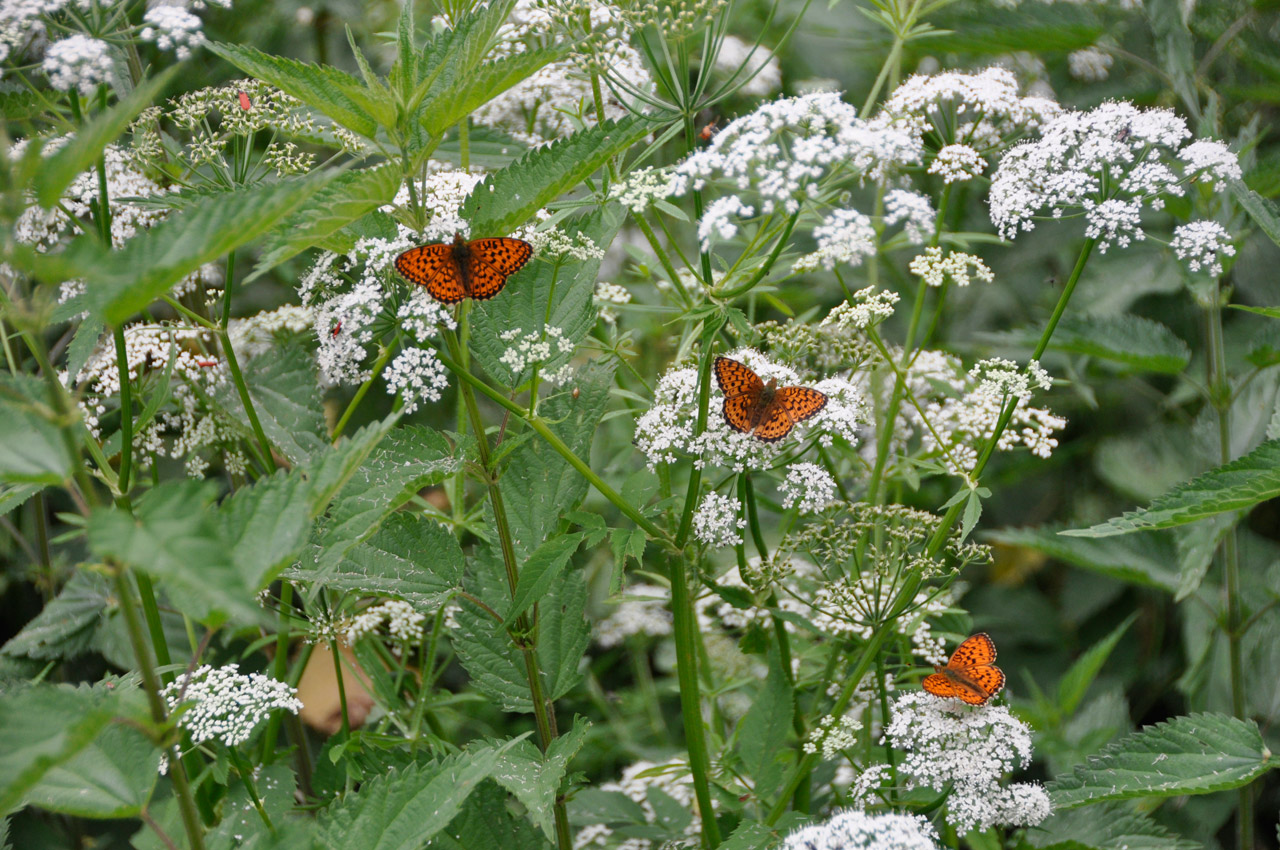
<point>736,378</point>
<point>976,651</point>
<point>988,678</point>
<point>503,254</point>
<point>776,422</point>
<point>942,686</point>
<point>801,402</point>
<point>740,411</point>
<point>433,266</point>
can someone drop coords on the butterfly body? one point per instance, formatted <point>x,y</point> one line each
<point>766,411</point>
<point>452,271</point>
<point>970,674</point>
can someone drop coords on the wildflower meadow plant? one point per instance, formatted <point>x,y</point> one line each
<point>585,424</point>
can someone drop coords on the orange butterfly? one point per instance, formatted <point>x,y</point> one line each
<point>970,674</point>
<point>460,269</point>
<point>766,411</point>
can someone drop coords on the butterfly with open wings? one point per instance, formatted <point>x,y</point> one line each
<point>970,674</point>
<point>767,412</point>
<point>452,271</point>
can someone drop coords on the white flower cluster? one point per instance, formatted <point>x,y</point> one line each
<point>672,778</point>
<point>642,611</point>
<point>225,704</point>
<point>854,829</point>
<point>808,487</point>
<point>78,62</point>
<point>957,162</point>
<point>607,296</point>
<point>914,210</point>
<point>957,426</point>
<point>1109,162</point>
<point>1203,244</point>
<point>526,350</point>
<point>417,376</point>
<point>666,431</point>
<point>982,111</point>
<point>949,745</point>
<point>832,735</point>
<point>785,153</point>
<point>1090,64</point>
<point>934,268</point>
<point>718,522</point>
<point>403,623</point>
<point>256,334</point>
<point>867,308</point>
<point>741,60</point>
<point>172,28</point>
<point>846,236</point>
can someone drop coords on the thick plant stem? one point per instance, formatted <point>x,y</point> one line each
<point>523,629</point>
<point>126,413</point>
<point>1220,396</point>
<point>159,713</point>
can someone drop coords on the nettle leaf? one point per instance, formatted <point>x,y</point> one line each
<point>331,470</point>
<point>563,634</point>
<point>1129,340</point>
<point>84,148</point>
<point>1148,562</point>
<point>66,626</point>
<point>449,57</point>
<point>538,484</point>
<point>1196,754</point>
<point>540,570</point>
<point>15,495</point>
<point>1109,826</point>
<point>285,391</point>
<point>174,535</point>
<point>1264,211</point>
<point>486,823</point>
<point>266,525</point>
<point>444,109</point>
<point>44,726</point>
<point>350,196</point>
<point>32,449</point>
<point>1243,483</point>
<point>112,777</point>
<point>401,809</point>
<point>407,460</point>
<point>534,780</point>
<point>410,557</point>
<point>329,91</point>
<point>763,731</point>
<point>522,307</point>
<point>483,646</point>
<point>510,197</point>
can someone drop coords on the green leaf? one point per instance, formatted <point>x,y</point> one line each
<point>123,281</point>
<point>265,526</point>
<point>1075,682</point>
<point>1269,312</point>
<point>66,626</point>
<point>241,825</point>
<point>1109,826</point>
<point>1176,49</point>
<point>563,634</point>
<point>510,197</point>
<point>446,107</point>
<point>44,726</point>
<point>84,148</point>
<point>32,449</point>
<point>402,809</point>
<point>285,392</point>
<point>539,571</point>
<point>174,535</point>
<point>1263,211</point>
<point>483,647</point>
<point>1148,562</point>
<point>1129,340</point>
<point>450,57</point>
<point>15,495</point>
<point>347,198</point>
<point>486,823</point>
<point>1195,754</point>
<point>1243,483</point>
<point>331,470</point>
<point>994,31</point>
<point>329,91</point>
<point>410,557</point>
<point>763,731</point>
<point>110,778</point>
<point>534,780</point>
<point>592,805</point>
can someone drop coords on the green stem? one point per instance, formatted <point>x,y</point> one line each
<point>246,778</point>
<point>159,712</point>
<point>1220,396</point>
<point>342,687</point>
<point>885,438</point>
<point>378,366</point>
<point>243,390</point>
<point>126,413</point>
<point>279,667</point>
<point>768,263</point>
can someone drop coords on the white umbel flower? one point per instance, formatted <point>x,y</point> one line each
<point>224,704</point>
<point>858,830</point>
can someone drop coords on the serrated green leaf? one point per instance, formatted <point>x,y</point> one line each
<point>1080,675</point>
<point>44,726</point>
<point>483,647</point>
<point>15,495</point>
<point>331,470</point>
<point>1195,754</point>
<point>534,780</point>
<point>1130,340</point>
<point>486,823</point>
<point>84,148</point>
<point>593,805</point>
<point>1176,48</point>
<point>1243,483</point>
<point>266,525</point>
<point>1109,826</point>
<point>327,90</point>
<point>66,626</point>
<point>510,197</point>
<point>411,557</point>
<point>563,634</point>
<point>445,108</point>
<point>762,734</point>
<point>350,196</point>
<point>539,571</point>
<point>285,391</point>
<point>1148,562</point>
<point>452,54</point>
<point>110,778</point>
<point>32,450</point>
<point>123,281</point>
<point>401,809</point>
